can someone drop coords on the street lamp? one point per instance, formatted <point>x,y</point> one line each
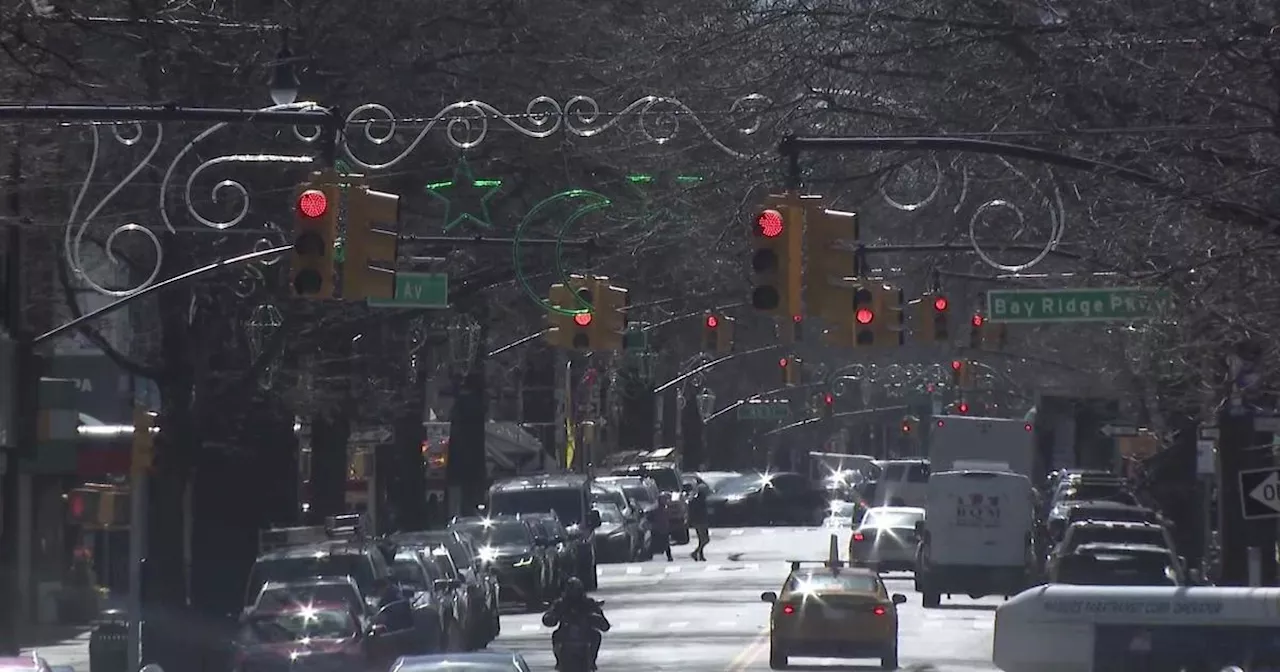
<point>706,401</point>
<point>284,81</point>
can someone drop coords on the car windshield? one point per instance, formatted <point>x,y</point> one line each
<point>666,479</point>
<point>291,626</point>
<point>1117,570</point>
<point>886,519</point>
<point>1098,491</point>
<point>564,502</point>
<point>639,493</point>
<point>443,563</point>
<point>406,571</point>
<point>1098,534</point>
<point>741,485</point>
<point>1117,514</point>
<point>610,515</point>
<point>299,568</point>
<point>812,582</point>
<point>499,533</point>
<point>840,509</point>
<point>285,598</point>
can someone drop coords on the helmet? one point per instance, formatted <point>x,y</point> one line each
<point>574,589</point>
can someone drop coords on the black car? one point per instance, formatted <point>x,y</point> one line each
<point>364,563</point>
<point>507,545</point>
<point>552,535</point>
<point>431,601</point>
<point>481,588</point>
<point>566,495</point>
<point>767,499</point>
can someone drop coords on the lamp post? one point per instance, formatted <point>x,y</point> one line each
<point>284,80</point>
<point>706,402</point>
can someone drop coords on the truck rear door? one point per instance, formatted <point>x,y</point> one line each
<point>978,518</point>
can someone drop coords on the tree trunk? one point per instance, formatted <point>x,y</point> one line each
<point>468,464</point>
<point>407,489</point>
<point>330,433</point>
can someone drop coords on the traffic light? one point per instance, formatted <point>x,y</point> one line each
<point>864,317</point>
<point>315,230</point>
<point>962,408</point>
<point>97,506</point>
<point>369,251</point>
<point>143,453</point>
<point>776,263</point>
<point>827,263</point>
<point>909,424</point>
<point>932,319</point>
<point>789,367</point>
<point>828,405</point>
<point>957,373</point>
<point>610,321</point>
<point>570,327</point>
<point>976,325</point>
<point>717,333</point>
<point>889,326</point>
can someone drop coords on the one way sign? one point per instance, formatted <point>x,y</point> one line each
<point>1260,493</point>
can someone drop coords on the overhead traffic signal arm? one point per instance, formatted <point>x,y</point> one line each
<point>373,225</point>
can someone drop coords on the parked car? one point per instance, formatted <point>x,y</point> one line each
<point>618,539</point>
<point>641,529</point>
<point>431,603</point>
<point>555,537</point>
<point>508,548</point>
<point>483,610</point>
<point>669,479</point>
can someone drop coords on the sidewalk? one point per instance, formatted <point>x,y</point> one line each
<point>59,645</point>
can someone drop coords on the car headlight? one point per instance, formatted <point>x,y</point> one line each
<point>734,498</point>
<point>488,554</point>
<point>523,562</point>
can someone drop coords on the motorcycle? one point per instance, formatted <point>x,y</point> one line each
<point>575,649</point>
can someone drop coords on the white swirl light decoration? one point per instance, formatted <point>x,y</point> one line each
<point>217,193</point>
<point>1057,221</point>
<point>582,116</point>
<point>71,243</point>
<point>911,207</point>
<point>225,185</point>
<point>467,126</point>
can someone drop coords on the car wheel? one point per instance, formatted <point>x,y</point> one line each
<point>777,658</point>
<point>930,600</point>
<point>889,661</point>
<point>681,535</point>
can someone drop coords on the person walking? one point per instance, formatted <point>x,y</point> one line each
<point>698,520</point>
<point>662,526</point>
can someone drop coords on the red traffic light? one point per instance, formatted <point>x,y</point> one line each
<point>864,316</point>
<point>963,407</point>
<point>978,321</point>
<point>956,365</point>
<point>783,362</point>
<point>76,504</point>
<point>829,399</point>
<point>906,427</point>
<point>582,319</point>
<point>313,203</point>
<point>797,318</point>
<point>940,304</point>
<point>769,224</point>
<point>1028,427</point>
<point>712,322</point>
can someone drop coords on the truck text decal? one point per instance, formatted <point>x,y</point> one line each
<point>978,510</point>
<point>1135,607</point>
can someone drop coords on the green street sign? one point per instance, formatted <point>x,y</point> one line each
<point>764,410</point>
<point>417,290</point>
<point>1115,304</point>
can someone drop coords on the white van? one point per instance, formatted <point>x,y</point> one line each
<point>901,483</point>
<point>976,537</point>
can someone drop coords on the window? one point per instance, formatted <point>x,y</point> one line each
<point>291,626</point>
<point>918,472</point>
<point>407,571</point>
<point>443,563</point>
<point>1117,535</point>
<point>287,598</point>
<point>610,515</point>
<point>639,493</point>
<point>356,566</point>
<point>890,519</point>
<point>501,533</point>
<point>803,582</point>
<point>567,503</point>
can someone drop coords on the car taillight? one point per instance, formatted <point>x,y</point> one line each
<point>788,609</point>
<point>858,536</point>
<point>879,610</point>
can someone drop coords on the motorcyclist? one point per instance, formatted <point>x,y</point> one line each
<point>574,605</point>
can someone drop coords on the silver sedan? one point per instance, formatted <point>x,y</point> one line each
<point>886,538</point>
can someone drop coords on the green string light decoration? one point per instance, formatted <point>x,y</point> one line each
<point>588,202</point>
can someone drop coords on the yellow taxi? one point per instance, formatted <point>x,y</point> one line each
<point>828,609</point>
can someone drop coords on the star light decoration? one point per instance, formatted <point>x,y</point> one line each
<point>473,193</point>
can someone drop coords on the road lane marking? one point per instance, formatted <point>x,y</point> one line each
<point>634,569</point>
<point>751,566</point>
<point>735,533</point>
<point>748,655</point>
<point>599,571</point>
<point>679,624</point>
<point>672,569</point>
<point>530,627</point>
<point>713,568</point>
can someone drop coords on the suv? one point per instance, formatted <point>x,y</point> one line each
<point>669,480</point>
<point>335,549</point>
<point>566,495</point>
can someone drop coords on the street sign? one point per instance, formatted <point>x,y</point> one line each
<point>1266,423</point>
<point>1115,304</point>
<point>1206,457</point>
<point>417,290</point>
<point>1119,430</point>
<point>1260,493</point>
<point>764,410</point>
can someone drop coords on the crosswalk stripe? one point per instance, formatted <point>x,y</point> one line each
<point>634,569</point>
<point>713,568</point>
<point>672,569</point>
<point>734,533</point>
<point>679,624</point>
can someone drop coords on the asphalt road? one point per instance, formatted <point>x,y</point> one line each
<point>707,616</point>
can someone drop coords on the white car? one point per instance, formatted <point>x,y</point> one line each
<point>886,538</point>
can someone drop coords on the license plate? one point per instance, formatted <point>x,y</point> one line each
<point>834,613</point>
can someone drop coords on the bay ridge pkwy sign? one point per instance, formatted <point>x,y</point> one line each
<point>1113,304</point>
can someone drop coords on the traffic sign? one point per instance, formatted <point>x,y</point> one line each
<point>1115,304</point>
<point>764,410</point>
<point>1260,493</point>
<point>417,290</point>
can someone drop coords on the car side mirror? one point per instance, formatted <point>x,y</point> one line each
<point>899,598</point>
<point>769,596</point>
<point>593,519</point>
<point>919,527</point>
